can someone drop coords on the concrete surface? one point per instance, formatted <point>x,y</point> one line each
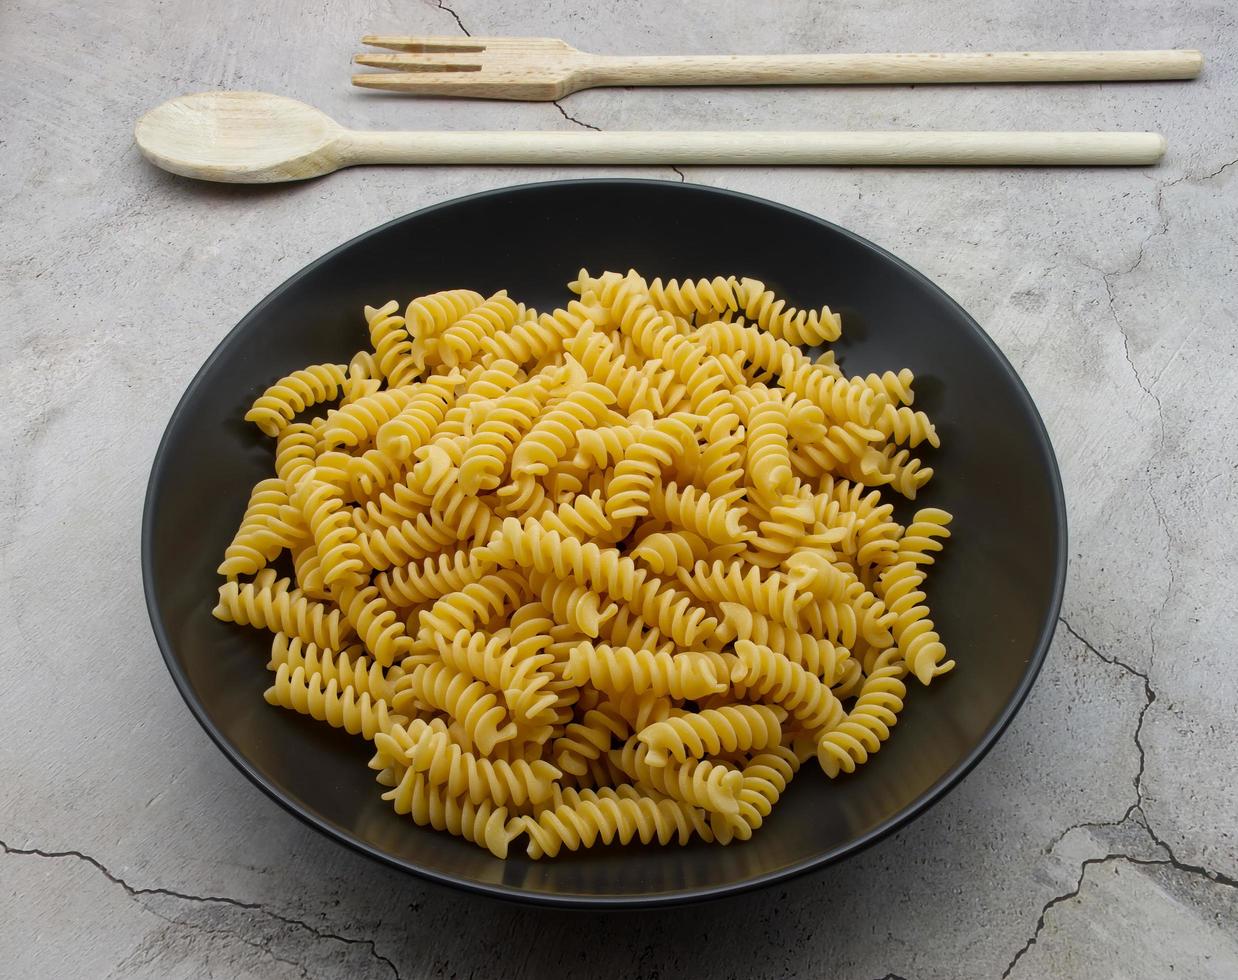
<point>1099,840</point>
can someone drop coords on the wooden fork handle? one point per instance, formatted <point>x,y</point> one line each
<point>849,69</point>
<point>726,148</point>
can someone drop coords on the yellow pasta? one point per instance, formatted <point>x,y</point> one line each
<point>393,348</point>
<point>349,667</point>
<point>712,786</point>
<point>326,700</point>
<point>612,816</point>
<point>301,390</point>
<point>461,341</point>
<point>427,747</point>
<point>270,604</point>
<point>784,322</point>
<point>684,676</point>
<point>738,727</point>
<point>265,531</point>
<point>602,575</point>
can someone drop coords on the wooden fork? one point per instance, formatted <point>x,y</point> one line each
<point>543,68</point>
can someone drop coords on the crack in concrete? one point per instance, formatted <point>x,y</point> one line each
<point>454,16</point>
<point>1219,170</point>
<point>1044,911</point>
<point>684,180</point>
<point>1114,661</point>
<point>1201,178</point>
<point>892,976</point>
<point>1109,276</point>
<point>570,118</point>
<point>1149,698</point>
<point>1074,893</point>
<point>1136,811</point>
<point>135,893</point>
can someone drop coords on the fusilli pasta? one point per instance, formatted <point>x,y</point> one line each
<point>600,575</point>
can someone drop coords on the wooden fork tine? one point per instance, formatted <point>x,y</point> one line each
<point>467,83</point>
<point>443,45</point>
<point>429,61</point>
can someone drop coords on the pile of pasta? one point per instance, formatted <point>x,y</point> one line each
<point>603,574</point>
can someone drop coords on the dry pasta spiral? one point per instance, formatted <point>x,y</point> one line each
<point>919,543</point>
<point>441,688</point>
<point>611,816</point>
<point>376,623</point>
<point>349,667</point>
<point>264,531</point>
<point>407,542</point>
<point>408,585</point>
<point>553,436</point>
<point>813,653</point>
<point>763,780</point>
<point>657,335</point>
<point>720,467</point>
<point>325,700</point>
<point>539,339</point>
<point>461,341</point>
<point>842,399</point>
<point>738,727</point>
<point>430,806</point>
<point>295,453</point>
<point>606,444</point>
<point>512,416</point>
<point>588,739</point>
<point>787,323</point>
<point>760,350</point>
<point>652,453</point>
<point>907,427</point>
<point>430,315</point>
<point>291,395</point>
<point>696,511</point>
<point>275,605</point>
<point>914,636</point>
<point>514,666</point>
<point>666,552</point>
<point>895,386</point>
<point>427,748</point>
<point>773,595</point>
<point>712,786</point>
<point>633,387</point>
<point>800,691</point>
<point>629,629</point>
<point>398,358</point>
<point>700,297</point>
<point>473,606</point>
<point>616,669</point>
<point>415,423</point>
<point>768,450</point>
<point>868,723</point>
<point>574,604</point>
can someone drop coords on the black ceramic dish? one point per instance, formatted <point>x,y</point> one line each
<point>995,596</point>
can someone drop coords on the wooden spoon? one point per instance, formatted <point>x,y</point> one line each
<point>255,138</point>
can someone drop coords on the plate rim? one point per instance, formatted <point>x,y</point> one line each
<point>688,894</point>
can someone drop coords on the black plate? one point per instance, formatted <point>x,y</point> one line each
<point>995,596</point>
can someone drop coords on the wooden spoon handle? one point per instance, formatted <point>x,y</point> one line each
<point>754,148</point>
<point>840,69</point>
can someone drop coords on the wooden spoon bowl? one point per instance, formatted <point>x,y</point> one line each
<point>241,137</point>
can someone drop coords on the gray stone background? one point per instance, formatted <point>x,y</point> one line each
<point>1098,839</point>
